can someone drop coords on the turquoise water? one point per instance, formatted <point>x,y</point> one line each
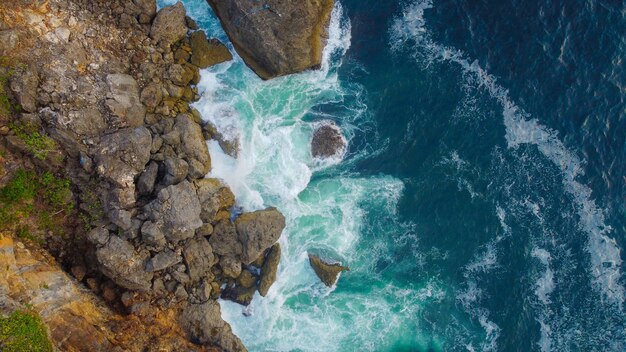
<point>480,203</point>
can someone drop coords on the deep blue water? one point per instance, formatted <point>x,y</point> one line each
<point>481,202</point>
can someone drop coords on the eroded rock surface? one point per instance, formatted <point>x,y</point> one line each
<point>276,37</point>
<point>327,272</point>
<point>327,142</point>
<point>257,231</point>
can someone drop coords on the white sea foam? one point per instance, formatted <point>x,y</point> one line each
<point>409,31</point>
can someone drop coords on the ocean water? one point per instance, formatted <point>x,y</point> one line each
<point>481,201</point>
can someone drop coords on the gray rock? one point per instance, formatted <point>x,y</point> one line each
<point>152,236</point>
<point>124,102</point>
<point>175,170</point>
<point>121,263</point>
<point>24,86</point>
<point>121,218</point>
<point>169,25</point>
<point>269,269</point>
<point>98,236</point>
<point>214,196</point>
<point>276,37</point>
<point>203,322</point>
<point>163,260</point>
<point>224,240</point>
<point>198,257</point>
<point>178,210</point>
<point>206,53</point>
<point>145,184</point>
<point>231,266</point>
<point>194,146</point>
<point>327,142</point>
<point>204,291</point>
<point>257,231</point>
<point>327,272</point>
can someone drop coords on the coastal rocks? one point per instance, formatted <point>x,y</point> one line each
<point>198,257</point>
<point>257,231</point>
<point>123,154</point>
<point>224,239</point>
<point>327,142</point>
<point>327,272</point>
<point>177,210</point>
<point>122,264</point>
<point>204,324</point>
<point>123,101</point>
<point>24,87</point>
<point>193,146</point>
<point>206,53</point>
<point>214,197</point>
<point>268,270</point>
<point>169,25</point>
<point>163,260</point>
<point>276,37</point>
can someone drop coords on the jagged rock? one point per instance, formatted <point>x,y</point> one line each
<point>122,155</point>
<point>169,25</point>
<point>121,218</point>
<point>194,146</point>
<point>204,291</point>
<point>181,75</point>
<point>198,257</point>
<point>24,87</point>
<point>269,269</point>
<point>257,231</point>
<point>163,260</point>
<point>203,322</point>
<point>191,24</point>
<point>224,239</point>
<point>178,210</point>
<point>214,196</point>
<point>205,230</point>
<point>206,53</point>
<point>98,236</point>
<point>246,279</point>
<point>152,236</point>
<point>152,96</point>
<point>124,102</point>
<point>175,170</point>
<point>231,266</point>
<point>122,264</point>
<point>239,294</point>
<point>327,272</point>
<point>145,184</point>
<point>327,142</point>
<point>276,37</point>
<point>147,10</point>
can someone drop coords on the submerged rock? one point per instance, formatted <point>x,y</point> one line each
<point>276,37</point>
<point>327,272</point>
<point>327,142</point>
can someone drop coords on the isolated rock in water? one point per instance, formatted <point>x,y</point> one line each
<point>276,37</point>
<point>122,264</point>
<point>206,53</point>
<point>124,102</point>
<point>328,273</point>
<point>257,231</point>
<point>268,271</point>
<point>178,209</point>
<point>169,25</point>
<point>204,324</point>
<point>327,142</point>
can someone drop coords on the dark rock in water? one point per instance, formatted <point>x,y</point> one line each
<point>169,26</point>
<point>257,231</point>
<point>328,273</point>
<point>178,210</point>
<point>268,271</point>
<point>276,37</point>
<point>206,53</point>
<point>327,142</point>
<point>122,264</point>
<point>204,324</point>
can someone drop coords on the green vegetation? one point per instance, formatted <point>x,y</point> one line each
<point>23,331</point>
<point>37,143</point>
<point>7,69</point>
<point>34,199</point>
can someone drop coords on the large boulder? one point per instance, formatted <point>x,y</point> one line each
<point>204,324</point>
<point>327,142</point>
<point>327,272</point>
<point>125,266</point>
<point>206,53</point>
<point>269,269</point>
<point>214,196</point>
<point>194,146</point>
<point>224,240</point>
<point>276,37</point>
<point>169,25</point>
<point>257,231</point>
<point>198,257</point>
<point>176,211</point>
<point>123,101</point>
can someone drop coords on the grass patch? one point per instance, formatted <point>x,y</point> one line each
<point>23,331</point>
<point>7,70</point>
<point>40,145</point>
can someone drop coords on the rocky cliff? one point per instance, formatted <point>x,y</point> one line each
<point>276,37</point>
<point>97,93</point>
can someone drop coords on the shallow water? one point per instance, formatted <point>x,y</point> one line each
<point>480,204</point>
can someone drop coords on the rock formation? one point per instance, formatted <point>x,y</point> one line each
<point>276,37</point>
<point>327,272</point>
<point>327,142</point>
